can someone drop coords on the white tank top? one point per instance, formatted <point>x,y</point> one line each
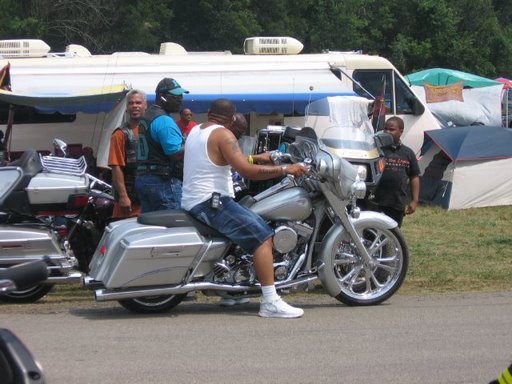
<point>201,177</point>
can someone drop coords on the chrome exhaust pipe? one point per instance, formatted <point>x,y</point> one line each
<point>71,277</point>
<point>106,294</point>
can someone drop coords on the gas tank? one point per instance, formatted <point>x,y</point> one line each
<point>290,204</point>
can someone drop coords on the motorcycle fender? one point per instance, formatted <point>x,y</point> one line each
<point>366,219</point>
<point>135,255</point>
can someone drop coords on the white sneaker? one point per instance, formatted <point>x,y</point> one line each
<point>279,308</point>
<point>227,302</point>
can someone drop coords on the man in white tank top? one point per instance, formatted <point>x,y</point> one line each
<point>211,151</point>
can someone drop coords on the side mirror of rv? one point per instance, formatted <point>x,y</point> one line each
<point>417,107</point>
<point>383,139</point>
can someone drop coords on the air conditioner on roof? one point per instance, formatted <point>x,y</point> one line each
<point>278,45</point>
<point>23,48</point>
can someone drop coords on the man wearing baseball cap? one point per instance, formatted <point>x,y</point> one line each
<point>160,152</point>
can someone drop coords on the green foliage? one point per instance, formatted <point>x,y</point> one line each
<point>416,34</point>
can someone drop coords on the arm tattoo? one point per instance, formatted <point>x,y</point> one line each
<point>274,171</point>
<point>234,145</point>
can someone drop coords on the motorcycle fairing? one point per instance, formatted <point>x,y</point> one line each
<point>10,177</point>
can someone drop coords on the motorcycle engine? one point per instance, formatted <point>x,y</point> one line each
<point>290,239</point>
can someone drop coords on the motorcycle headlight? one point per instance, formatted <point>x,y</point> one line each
<point>358,189</point>
<point>362,172</point>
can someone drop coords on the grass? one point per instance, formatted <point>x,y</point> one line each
<point>459,251</point>
<point>450,251</point>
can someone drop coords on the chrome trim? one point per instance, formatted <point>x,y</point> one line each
<point>106,295</point>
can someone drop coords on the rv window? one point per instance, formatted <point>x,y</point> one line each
<point>406,102</point>
<point>372,81</point>
<point>29,115</point>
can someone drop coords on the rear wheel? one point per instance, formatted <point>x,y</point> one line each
<point>153,304</point>
<point>361,283</point>
<point>29,295</point>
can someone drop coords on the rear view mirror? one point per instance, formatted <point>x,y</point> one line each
<point>383,139</point>
<point>17,365</point>
<point>61,146</point>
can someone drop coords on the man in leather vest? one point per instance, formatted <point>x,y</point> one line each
<point>123,157</point>
<point>160,151</point>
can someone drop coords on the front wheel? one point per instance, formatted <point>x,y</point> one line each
<point>153,304</point>
<point>360,283</point>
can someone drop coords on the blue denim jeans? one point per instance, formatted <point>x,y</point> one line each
<point>239,224</point>
<point>158,193</point>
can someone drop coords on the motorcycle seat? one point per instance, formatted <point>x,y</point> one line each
<point>173,218</point>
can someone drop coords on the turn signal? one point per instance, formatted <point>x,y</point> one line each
<point>381,164</point>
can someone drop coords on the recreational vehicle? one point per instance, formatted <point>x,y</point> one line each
<point>271,82</point>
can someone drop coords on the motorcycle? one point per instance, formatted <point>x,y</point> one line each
<point>17,364</point>
<point>148,264</point>
<point>50,208</point>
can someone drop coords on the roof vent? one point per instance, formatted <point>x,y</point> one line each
<point>78,50</point>
<point>23,48</point>
<point>172,49</point>
<point>278,45</point>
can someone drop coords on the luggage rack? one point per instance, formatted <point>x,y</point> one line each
<point>64,165</point>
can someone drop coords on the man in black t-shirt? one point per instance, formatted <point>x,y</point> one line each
<point>401,171</point>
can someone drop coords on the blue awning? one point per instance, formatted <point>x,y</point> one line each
<point>287,103</point>
<point>91,101</point>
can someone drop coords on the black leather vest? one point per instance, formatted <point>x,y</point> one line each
<point>131,142</point>
<point>151,158</point>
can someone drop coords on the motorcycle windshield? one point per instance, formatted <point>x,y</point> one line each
<point>10,176</point>
<point>343,124</point>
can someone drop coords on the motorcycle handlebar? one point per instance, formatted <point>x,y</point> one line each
<point>26,275</point>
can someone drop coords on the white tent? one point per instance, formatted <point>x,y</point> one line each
<point>467,167</point>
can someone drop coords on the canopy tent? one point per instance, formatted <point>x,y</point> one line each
<point>443,76</point>
<point>458,98</point>
<point>89,101</point>
<point>109,100</point>
<point>507,83</point>
<point>467,167</point>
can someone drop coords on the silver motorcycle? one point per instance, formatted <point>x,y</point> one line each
<point>150,263</point>
<point>50,207</point>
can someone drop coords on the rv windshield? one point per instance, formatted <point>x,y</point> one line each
<point>343,124</point>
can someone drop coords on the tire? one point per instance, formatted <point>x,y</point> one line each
<point>371,284</point>
<point>153,304</point>
<point>29,295</point>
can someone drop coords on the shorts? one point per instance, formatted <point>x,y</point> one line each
<point>239,224</point>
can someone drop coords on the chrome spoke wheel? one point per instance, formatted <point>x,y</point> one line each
<point>361,282</point>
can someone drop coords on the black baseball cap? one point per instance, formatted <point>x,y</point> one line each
<point>170,86</point>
